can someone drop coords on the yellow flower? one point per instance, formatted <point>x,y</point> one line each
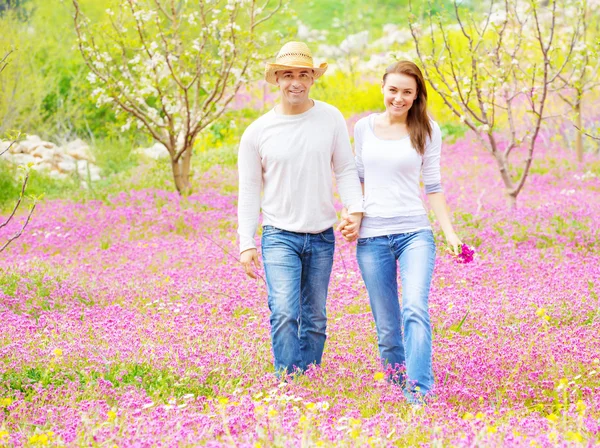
<point>480,416</point>
<point>6,402</point>
<point>574,436</point>
<point>303,419</point>
<point>492,430</point>
<point>540,312</point>
<point>111,415</point>
<point>272,412</point>
<point>581,406</point>
<point>468,416</point>
<point>310,406</point>
<point>379,376</point>
<point>57,352</point>
<point>223,401</point>
<point>552,417</point>
<point>4,435</point>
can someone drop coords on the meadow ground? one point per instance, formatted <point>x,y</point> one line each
<point>128,322</point>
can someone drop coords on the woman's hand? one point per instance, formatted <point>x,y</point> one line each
<point>349,225</point>
<point>454,242</point>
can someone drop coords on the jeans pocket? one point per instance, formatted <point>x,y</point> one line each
<point>363,241</point>
<point>328,236</point>
<point>270,230</point>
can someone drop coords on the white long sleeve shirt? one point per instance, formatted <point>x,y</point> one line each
<point>391,171</point>
<point>291,158</point>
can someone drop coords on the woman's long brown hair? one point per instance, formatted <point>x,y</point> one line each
<point>417,121</point>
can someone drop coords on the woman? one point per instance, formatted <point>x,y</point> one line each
<point>392,149</point>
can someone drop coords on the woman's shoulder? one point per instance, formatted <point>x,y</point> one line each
<point>436,131</point>
<point>364,122</point>
<point>435,127</point>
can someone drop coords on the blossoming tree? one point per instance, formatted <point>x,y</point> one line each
<point>581,76</point>
<point>495,74</point>
<point>173,66</point>
<point>24,180</point>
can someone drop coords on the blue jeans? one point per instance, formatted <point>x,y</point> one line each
<point>297,268</point>
<point>377,261</point>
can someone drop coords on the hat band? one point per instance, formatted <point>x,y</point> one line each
<point>294,59</point>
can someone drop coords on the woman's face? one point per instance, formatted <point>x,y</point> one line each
<point>399,93</point>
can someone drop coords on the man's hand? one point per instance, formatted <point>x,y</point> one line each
<point>248,258</point>
<point>350,225</point>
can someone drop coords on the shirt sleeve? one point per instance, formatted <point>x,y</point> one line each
<point>250,184</point>
<point>344,168</point>
<point>432,177</point>
<point>358,144</point>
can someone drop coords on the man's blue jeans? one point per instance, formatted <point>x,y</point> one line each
<point>297,267</point>
<point>377,261</point>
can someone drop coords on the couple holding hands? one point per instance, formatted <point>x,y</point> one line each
<point>285,165</point>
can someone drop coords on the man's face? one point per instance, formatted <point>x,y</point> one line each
<point>295,84</point>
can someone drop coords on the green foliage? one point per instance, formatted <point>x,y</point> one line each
<point>339,90</point>
<point>9,190</point>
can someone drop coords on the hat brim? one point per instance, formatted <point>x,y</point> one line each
<point>270,70</point>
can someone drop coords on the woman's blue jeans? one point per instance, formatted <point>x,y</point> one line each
<point>377,260</point>
<point>297,268</point>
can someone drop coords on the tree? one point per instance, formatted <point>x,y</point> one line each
<point>497,73</point>
<point>173,65</point>
<point>580,78</point>
<point>25,179</point>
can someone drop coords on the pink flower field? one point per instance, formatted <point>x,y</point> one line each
<point>128,322</point>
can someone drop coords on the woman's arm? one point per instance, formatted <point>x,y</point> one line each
<point>438,204</point>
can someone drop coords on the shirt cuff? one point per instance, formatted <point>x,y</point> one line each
<point>435,188</point>
<point>246,243</point>
<point>356,208</point>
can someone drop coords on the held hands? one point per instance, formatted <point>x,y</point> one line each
<point>349,225</point>
<point>249,260</point>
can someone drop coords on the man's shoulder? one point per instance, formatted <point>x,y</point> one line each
<point>259,124</point>
<point>328,109</point>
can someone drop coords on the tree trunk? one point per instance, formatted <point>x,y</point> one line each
<point>181,172</point>
<point>511,201</point>
<point>579,135</point>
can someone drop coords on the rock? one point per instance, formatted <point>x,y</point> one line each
<point>21,159</point>
<point>44,153</point>
<point>156,151</point>
<point>83,166</point>
<point>58,162</point>
<point>67,165</point>
<point>78,149</point>
<point>42,166</point>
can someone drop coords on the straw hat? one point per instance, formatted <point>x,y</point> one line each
<point>293,55</point>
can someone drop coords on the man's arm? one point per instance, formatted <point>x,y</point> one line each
<point>353,211</point>
<point>250,183</point>
<point>346,176</point>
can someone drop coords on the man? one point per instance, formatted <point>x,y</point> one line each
<point>290,152</point>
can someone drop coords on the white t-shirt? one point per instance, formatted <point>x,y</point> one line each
<point>291,158</point>
<point>391,170</point>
